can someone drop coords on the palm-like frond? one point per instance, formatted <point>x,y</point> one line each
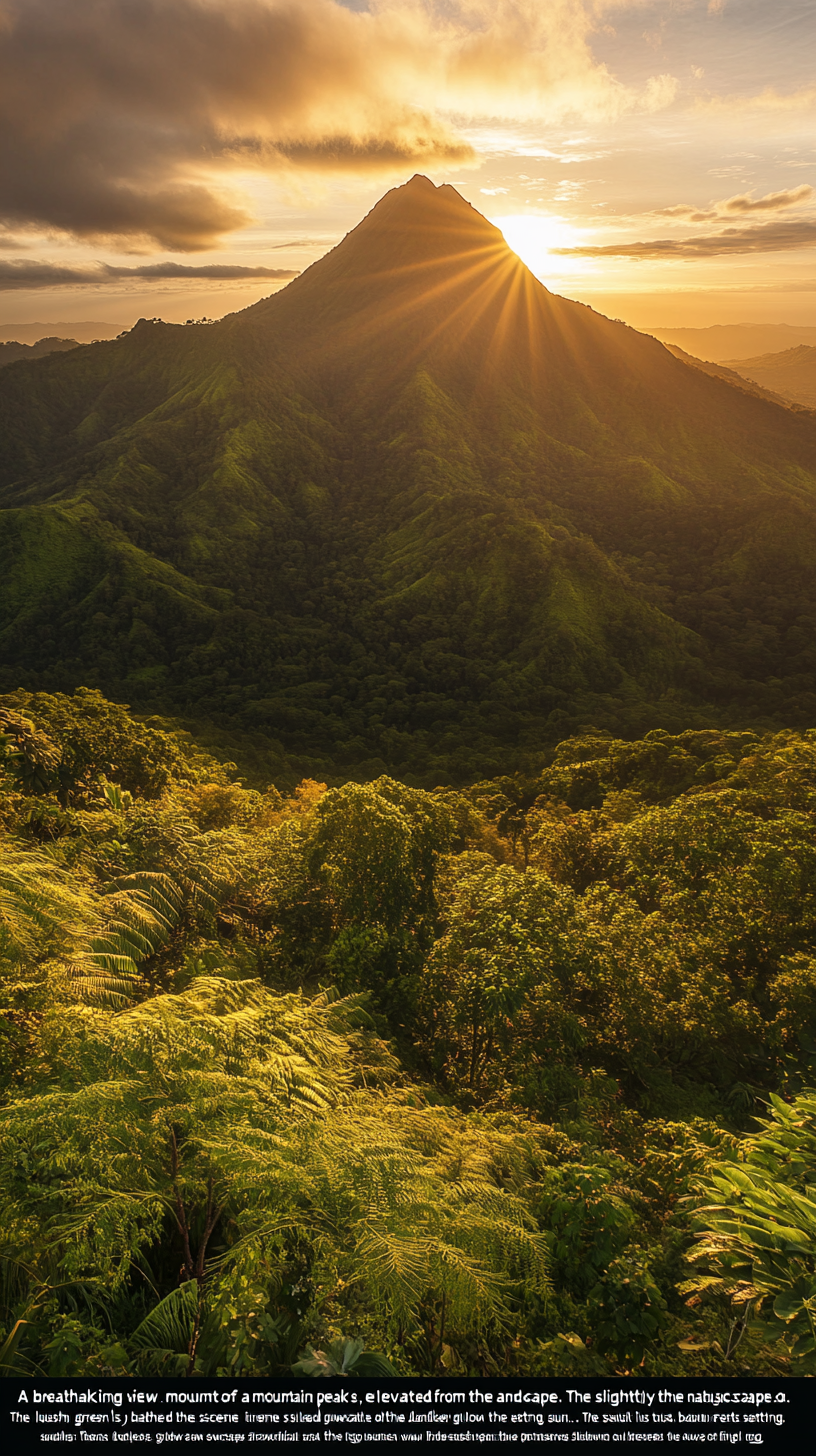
<point>162,1341</point>
<point>8,1349</point>
<point>756,1225</point>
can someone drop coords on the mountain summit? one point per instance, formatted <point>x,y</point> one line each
<point>412,227</point>
<point>425,278</point>
<point>421,262</point>
<point>412,511</point>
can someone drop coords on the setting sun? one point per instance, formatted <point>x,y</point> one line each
<point>533,236</point>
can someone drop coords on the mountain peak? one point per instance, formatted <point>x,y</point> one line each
<point>436,221</point>
<point>415,239</point>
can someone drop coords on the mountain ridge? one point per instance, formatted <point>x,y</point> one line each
<point>791,373</point>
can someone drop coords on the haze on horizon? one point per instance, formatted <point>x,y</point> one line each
<point>180,158</point>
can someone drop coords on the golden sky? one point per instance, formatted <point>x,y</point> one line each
<point>183,158</point>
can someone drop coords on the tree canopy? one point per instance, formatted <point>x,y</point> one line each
<point>377,1078</point>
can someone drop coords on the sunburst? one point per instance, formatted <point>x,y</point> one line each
<point>534,236</point>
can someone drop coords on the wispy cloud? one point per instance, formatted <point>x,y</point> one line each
<point>768,100</point>
<point>772,237</point>
<point>225,272</point>
<point>741,203</point>
<point>128,119</point>
<point>771,202</point>
<point>23,273</point>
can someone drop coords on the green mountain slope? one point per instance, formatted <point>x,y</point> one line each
<point>412,511</point>
<point>731,376</point>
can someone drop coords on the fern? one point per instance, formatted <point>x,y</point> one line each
<point>227,1102</point>
<point>389,1219</point>
<point>143,911</point>
<point>42,906</point>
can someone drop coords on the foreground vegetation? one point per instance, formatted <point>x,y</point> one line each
<point>469,1076</point>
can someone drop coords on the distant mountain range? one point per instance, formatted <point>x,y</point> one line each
<point>412,511</point>
<point>11,352</point>
<point>722,342</point>
<point>791,374</point>
<point>731,376</point>
<point>84,331</point>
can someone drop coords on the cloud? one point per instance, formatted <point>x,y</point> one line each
<point>793,285</point>
<point>773,237</point>
<point>128,120</point>
<point>742,203</point>
<point>225,272</point>
<point>21,273</point>
<point>18,273</point>
<point>769,100</point>
<point>682,209</point>
<point>771,202</point>
<point>659,93</point>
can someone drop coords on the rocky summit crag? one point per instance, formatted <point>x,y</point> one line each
<point>413,511</point>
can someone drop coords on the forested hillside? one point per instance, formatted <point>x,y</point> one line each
<point>452,1081</point>
<point>413,514</point>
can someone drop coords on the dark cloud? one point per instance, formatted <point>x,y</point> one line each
<point>343,153</point>
<point>116,116</point>
<point>226,272</point>
<point>18,273</point>
<point>22,273</point>
<point>772,237</point>
<point>124,118</point>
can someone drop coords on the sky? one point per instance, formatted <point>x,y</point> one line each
<point>184,158</point>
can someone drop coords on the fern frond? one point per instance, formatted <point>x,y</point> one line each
<point>143,912</point>
<point>41,904</point>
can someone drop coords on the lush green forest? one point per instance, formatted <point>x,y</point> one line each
<point>446,1053</point>
<point>440,1081</point>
